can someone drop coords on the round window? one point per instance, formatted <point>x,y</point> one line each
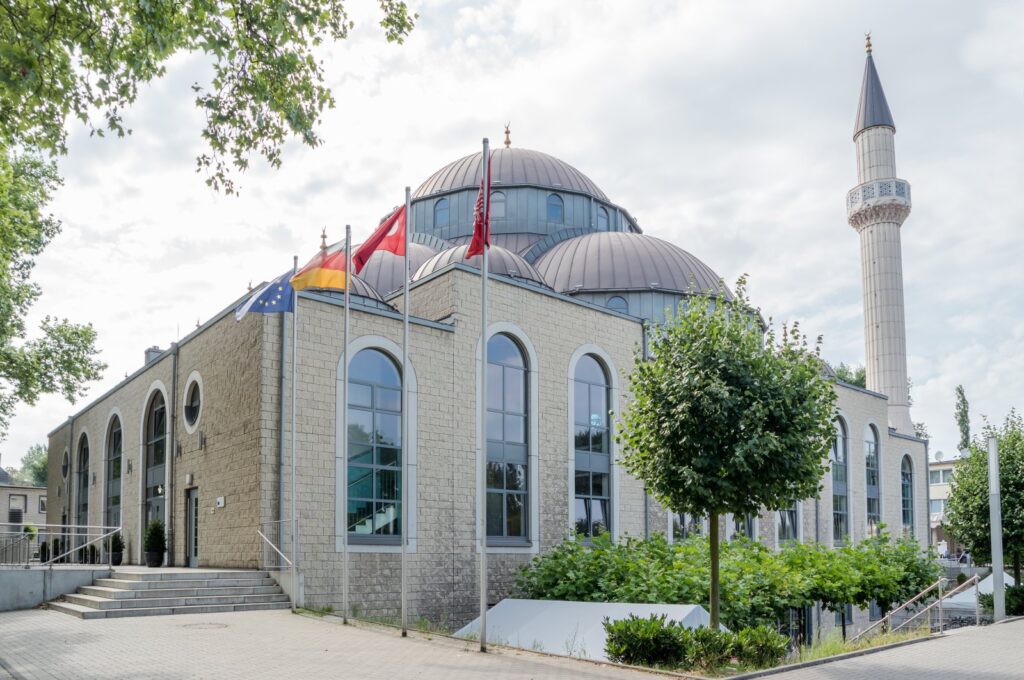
<point>193,402</point>
<point>64,465</point>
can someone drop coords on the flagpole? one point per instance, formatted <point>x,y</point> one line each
<point>405,411</point>
<point>482,414</point>
<point>295,521</point>
<point>344,432</point>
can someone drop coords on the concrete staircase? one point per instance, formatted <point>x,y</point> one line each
<point>141,592</point>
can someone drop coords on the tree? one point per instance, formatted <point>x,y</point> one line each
<point>80,57</point>
<point>62,358</point>
<point>33,470</point>
<point>963,419</point>
<point>724,420</point>
<point>921,430</point>
<point>852,375</point>
<point>967,510</point>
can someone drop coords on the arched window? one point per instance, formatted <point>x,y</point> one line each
<point>618,304</point>
<point>156,457</point>
<point>871,474</point>
<point>602,219</point>
<point>114,446</point>
<point>840,495</point>
<point>591,397</point>
<point>789,528</point>
<point>507,454</point>
<point>744,526</point>
<point>82,482</point>
<point>556,209</point>
<point>441,212</point>
<point>497,206</point>
<point>374,448</point>
<point>907,494</point>
<point>193,403</point>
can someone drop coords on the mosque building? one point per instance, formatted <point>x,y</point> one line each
<point>200,436</point>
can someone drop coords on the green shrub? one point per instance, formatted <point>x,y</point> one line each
<point>116,544</point>
<point>710,649</point>
<point>960,578</point>
<point>651,641</point>
<point>761,647</point>
<point>156,539</point>
<point>1014,601</point>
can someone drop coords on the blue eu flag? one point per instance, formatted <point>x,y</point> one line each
<point>276,296</point>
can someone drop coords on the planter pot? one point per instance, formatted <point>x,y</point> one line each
<point>115,559</point>
<point>154,559</point>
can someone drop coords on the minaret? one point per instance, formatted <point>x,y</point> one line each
<point>876,208</point>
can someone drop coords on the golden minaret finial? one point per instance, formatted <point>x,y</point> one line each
<point>323,239</point>
<point>508,136</point>
<point>250,285</point>
<point>867,42</point>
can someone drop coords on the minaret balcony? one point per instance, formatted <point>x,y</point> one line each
<point>891,195</point>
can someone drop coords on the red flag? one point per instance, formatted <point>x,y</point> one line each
<point>390,236</point>
<point>481,222</point>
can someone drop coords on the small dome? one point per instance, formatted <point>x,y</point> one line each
<point>622,261</point>
<point>499,261</point>
<point>383,271</point>
<point>510,167</point>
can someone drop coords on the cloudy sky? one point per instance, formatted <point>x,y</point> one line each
<point>724,127</point>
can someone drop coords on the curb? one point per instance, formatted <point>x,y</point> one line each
<point>830,659</point>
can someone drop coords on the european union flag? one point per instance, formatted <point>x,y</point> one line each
<point>276,296</point>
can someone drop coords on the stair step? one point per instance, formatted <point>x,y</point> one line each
<point>187,582</point>
<point>153,575</point>
<point>77,610</point>
<point>152,602</point>
<point>88,613</point>
<point>127,592</point>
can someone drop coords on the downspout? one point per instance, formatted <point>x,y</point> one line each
<point>69,487</point>
<point>927,497</point>
<point>643,349</point>
<point>172,452</point>
<point>817,539</point>
<point>280,432</point>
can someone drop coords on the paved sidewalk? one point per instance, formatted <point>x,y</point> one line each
<point>261,644</point>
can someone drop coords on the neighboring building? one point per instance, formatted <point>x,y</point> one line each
<point>940,476</point>
<point>200,435</point>
<point>22,506</point>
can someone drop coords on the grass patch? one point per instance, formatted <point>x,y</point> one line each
<point>316,611</point>
<point>833,645</point>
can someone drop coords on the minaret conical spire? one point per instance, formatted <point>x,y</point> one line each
<point>873,109</point>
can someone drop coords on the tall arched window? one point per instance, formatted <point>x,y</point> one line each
<point>374,448</point>
<point>591,397</point>
<point>441,213</point>
<point>156,457</point>
<point>556,209</point>
<point>871,474</point>
<point>618,303</point>
<point>907,494</point>
<point>497,205</point>
<point>840,495</point>
<point>507,452</point>
<point>82,482</point>
<point>789,528</point>
<point>602,219</point>
<point>114,446</point>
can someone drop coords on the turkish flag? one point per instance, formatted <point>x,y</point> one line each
<point>390,236</point>
<point>481,219</point>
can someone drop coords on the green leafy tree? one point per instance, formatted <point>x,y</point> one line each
<point>33,467</point>
<point>78,58</point>
<point>963,419</point>
<point>61,358</point>
<point>852,375</point>
<point>967,510</point>
<point>725,420</point>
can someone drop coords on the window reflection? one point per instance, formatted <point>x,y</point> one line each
<point>591,437</point>
<point>507,426</point>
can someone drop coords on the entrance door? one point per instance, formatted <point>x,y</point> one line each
<point>192,527</point>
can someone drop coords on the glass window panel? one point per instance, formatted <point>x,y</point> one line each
<point>495,476</point>
<point>598,406</point>
<point>360,453</point>
<point>495,450</point>
<point>582,521</point>
<point>555,208</point>
<point>389,428</point>
<point>497,204</point>
<point>582,483</point>
<point>374,367</point>
<point>934,477</point>
<point>598,440</point>
<point>495,430</point>
<point>589,370</point>
<point>441,213</point>
<point>115,468</point>
<point>515,477</point>
<point>360,482</point>
<point>582,438</point>
<point>495,514</point>
<point>515,453</point>
<point>581,403</point>
<point>602,219</point>
<point>387,519</point>
<point>360,425</point>
<point>360,517</point>
<point>360,395</point>
<point>387,485</point>
<point>389,456</point>
<point>514,514</point>
<point>600,484</point>
<point>599,517</point>
<point>158,452</point>
<point>515,398</point>
<point>501,349</point>
<point>495,387</point>
<point>947,475</point>
<point>618,304</point>
<point>515,429</point>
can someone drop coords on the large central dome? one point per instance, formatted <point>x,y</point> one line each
<point>510,167</point>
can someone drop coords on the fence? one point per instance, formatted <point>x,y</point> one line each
<point>49,544</point>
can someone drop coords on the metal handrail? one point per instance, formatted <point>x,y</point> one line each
<point>888,617</point>
<point>274,547</point>
<point>290,564</point>
<point>938,603</point>
<point>109,532</point>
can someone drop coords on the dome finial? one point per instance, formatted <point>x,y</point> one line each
<point>867,42</point>
<point>323,239</point>
<point>508,135</point>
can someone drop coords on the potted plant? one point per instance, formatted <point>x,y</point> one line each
<point>155,543</point>
<point>116,550</point>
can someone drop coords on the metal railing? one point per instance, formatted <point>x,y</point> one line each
<point>48,544</point>
<point>16,547</point>
<point>885,624</point>
<point>271,556</point>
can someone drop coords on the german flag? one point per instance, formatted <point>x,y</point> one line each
<point>326,270</point>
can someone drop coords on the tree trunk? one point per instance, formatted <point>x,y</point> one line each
<point>1016,568</point>
<point>713,531</point>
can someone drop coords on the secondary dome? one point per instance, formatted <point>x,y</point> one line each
<point>383,271</point>
<point>624,261</point>
<point>499,261</point>
<point>510,167</point>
